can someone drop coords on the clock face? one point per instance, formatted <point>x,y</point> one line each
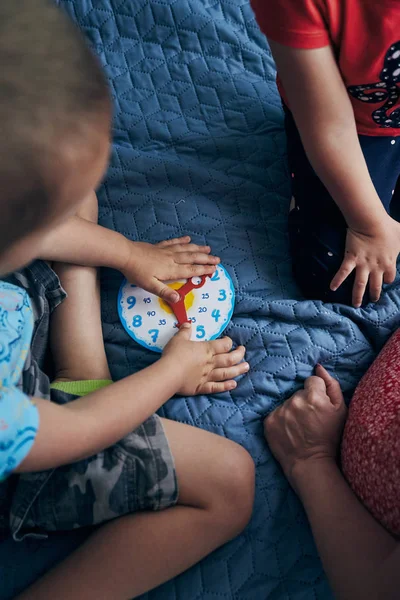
<point>151,322</point>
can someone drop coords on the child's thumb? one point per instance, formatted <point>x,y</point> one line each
<point>185,331</point>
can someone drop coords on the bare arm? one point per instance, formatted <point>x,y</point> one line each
<point>82,242</point>
<point>325,119</point>
<point>87,425</point>
<point>361,559</point>
<point>68,433</point>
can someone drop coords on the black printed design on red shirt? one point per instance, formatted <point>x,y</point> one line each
<point>386,90</point>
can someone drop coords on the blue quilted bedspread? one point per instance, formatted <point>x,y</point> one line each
<point>199,149</point>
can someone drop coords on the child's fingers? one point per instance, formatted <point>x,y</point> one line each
<point>182,240</point>
<point>199,258</point>
<point>190,248</point>
<point>347,267</point>
<point>375,285</point>
<point>187,270</point>
<point>221,345</point>
<point>230,358</point>
<point>217,387</point>
<point>390,274</point>
<point>227,373</point>
<point>360,285</point>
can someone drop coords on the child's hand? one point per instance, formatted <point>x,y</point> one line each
<point>149,265</point>
<point>207,367</point>
<point>373,256</point>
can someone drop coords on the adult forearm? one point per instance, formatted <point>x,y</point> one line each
<point>87,425</point>
<point>354,548</point>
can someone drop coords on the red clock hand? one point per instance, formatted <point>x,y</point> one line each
<point>179,308</point>
<point>189,286</point>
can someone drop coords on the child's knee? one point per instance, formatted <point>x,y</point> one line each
<point>235,497</point>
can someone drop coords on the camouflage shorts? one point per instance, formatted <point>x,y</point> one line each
<point>136,474</point>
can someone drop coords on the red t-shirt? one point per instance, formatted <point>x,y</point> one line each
<point>365,36</point>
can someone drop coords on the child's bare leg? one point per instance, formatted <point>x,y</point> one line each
<point>134,554</point>
<point>75,333</point>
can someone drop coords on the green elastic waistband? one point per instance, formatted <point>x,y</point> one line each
<point>81,388</point>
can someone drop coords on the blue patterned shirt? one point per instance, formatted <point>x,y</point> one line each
<point>19,418</point>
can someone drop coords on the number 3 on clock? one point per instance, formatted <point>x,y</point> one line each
<point>222,295</point>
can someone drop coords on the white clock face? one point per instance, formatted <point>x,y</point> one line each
<point>151,322</point>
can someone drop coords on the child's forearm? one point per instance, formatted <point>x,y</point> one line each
<point>68,433</point>
<point>335,153</point>
<point>81,242</point>
<point>324,116</point>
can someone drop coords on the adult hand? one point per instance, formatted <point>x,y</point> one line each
<point>309,425</point>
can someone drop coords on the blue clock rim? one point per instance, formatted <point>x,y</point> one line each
<point>157,348</point>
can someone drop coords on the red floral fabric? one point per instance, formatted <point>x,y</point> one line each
<point>371,442</point>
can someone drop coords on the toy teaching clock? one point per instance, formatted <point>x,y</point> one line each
<point>207,302</point>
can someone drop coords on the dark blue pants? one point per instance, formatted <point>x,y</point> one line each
<point>317,228</point>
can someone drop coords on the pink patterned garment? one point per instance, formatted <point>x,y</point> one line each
<point>371,442</point>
